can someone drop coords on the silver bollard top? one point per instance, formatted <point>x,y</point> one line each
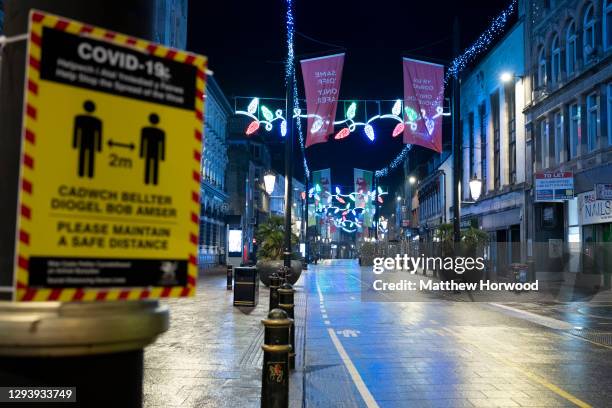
<point>79,328</point>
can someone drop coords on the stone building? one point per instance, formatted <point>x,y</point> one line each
<point>249,160</point>
<point>494,146</point>
<point>569,117</point>
<point>214,198</point>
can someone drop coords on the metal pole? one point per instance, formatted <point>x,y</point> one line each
<point>376,208</point>
<point>456,141</point>
<point>55,342</point>
<point>288,173</point>
<point>305,218</point>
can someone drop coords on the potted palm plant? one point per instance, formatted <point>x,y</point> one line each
<point>271,236</point>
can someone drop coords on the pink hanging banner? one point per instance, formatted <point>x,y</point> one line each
<point>322,83</point>
<point>423,103</point>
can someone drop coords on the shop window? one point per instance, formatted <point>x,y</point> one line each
<point>548,216</point>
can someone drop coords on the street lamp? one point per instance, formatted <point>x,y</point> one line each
<point>412,180</point>
<point>399,198</point>
<point>269,181</point>
<point>506,76</point>
<point>475,188</point>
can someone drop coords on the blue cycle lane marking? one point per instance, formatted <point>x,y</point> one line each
<point>342,296</point>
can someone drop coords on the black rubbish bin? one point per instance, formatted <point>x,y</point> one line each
<point>246,286</point>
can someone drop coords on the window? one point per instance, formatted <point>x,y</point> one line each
<point>610,114</point>
<point>496,141</point>
<point>472,141</point>
<point>570,51</point>
<point>559,151</point>
<point>588,34</point>
<point>574,129</point>
<point>544,163</point>
<point>607,21</point>
<point>556,60</point>
<point>541,68</point>
<point>482,116</point>
<point>511,114</point>
<point>592,121</point>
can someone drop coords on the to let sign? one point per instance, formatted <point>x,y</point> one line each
<point>111,147</point>
<point>554,186</point>
<point>603,191</point>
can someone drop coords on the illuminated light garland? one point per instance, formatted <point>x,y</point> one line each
<point>481,44</point>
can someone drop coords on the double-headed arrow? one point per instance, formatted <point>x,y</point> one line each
<point>111,143</point>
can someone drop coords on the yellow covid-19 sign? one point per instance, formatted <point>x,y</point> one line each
<point>111,148</point>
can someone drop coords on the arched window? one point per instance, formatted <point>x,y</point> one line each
<point>570,48</point>
<point>555,60</point>
<point>541,68</point>
<point>607,21</point>
<point>588,33</point>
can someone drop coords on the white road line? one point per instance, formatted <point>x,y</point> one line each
<point>327,322</point>
<point>536,318</point>
<point>325,316</point>
<point>361,387</point>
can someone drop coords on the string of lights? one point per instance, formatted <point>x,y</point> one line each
<point>347,215</point>
<point>349,124</point>
<point>482,43</point>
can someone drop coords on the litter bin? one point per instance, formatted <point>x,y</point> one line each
<point>520,272</point>
<point>246,286</point>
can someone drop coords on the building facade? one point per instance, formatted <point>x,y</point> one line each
<point>277,204</point>
<point>494,148</point>
<point>214,198</point>
<point>249,160</point>
<point>434,192</point>
<point>569,119</point>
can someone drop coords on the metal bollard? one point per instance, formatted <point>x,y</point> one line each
<point>230,276</point>
<point>286,302</point>
<point>274,285</point>
<point>275,371</point>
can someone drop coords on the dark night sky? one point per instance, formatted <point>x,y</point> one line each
<point>245,43</point>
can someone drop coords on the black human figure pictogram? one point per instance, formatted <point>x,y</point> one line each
<point>152,149</point>
<point>87,138</point>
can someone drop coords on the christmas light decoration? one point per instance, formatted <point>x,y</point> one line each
<point>369,131</point>
<point>252,128</point>
<point>344,132</point>
<point>482,43</point>
<point>398,130</point>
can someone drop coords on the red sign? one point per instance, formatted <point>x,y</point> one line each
<point>322,78</point>
<point>423,103</point>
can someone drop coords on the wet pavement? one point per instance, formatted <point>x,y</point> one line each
<point>356,353</point>
<point>448,354</point>
<point>211,356</point>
